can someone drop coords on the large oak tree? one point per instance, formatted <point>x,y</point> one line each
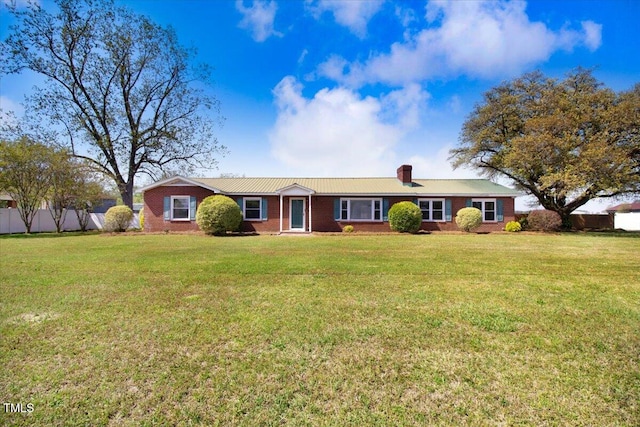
<point>563,141</point>
<point>121,87</point>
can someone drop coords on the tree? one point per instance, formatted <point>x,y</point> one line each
<point>74,185</point>
<point>62,171</point>
<point>25,175</point>
<point>119,87</point>
<point>564,142</point>
<point>88,192</point>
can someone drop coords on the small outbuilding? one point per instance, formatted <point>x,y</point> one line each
<point>626,216</point>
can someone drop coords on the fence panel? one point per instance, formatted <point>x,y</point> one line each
<point>11,223</point>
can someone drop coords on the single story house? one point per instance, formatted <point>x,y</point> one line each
<point>275,205</point>
<point>626,216</point>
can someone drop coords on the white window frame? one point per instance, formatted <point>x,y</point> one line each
<point>345,207</point>
<point>172,208</point>
<point>244,208</point>
<point>484,210</point>
<point>430,210</point>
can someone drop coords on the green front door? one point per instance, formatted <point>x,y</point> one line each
<point>297,214</point>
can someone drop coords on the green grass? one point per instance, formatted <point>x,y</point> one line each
<point>440,329</point>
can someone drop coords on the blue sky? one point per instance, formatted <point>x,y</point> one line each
<point>356,88</point>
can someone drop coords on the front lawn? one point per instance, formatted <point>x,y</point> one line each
<point>440,329</point>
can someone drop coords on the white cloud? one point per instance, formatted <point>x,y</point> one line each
<point>258,18</point>
<point>353,14</point>
<point>438,166</point>
<point>484,39</point>
<point>592,35</point>
<point>338,132</point>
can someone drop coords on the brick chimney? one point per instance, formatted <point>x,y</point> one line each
<point>404,175</point>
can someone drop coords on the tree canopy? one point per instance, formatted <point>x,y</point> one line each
<point>25,168</point>
<point>563,141</point>
<point>121,89</point>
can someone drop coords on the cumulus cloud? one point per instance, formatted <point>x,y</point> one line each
<point>339,133</point>
<point>258,19</point>
<point>592,35</point>
<point>485,39</point>
<point>354,15</point>
<point>437,166</point>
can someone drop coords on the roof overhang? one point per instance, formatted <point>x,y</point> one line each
<point>178,181</point>
<point>295,190</point>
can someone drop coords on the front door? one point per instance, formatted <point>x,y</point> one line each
<point>297,214</point>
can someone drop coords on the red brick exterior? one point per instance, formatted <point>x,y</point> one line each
<point>322,213</point>
<point>154,207</point>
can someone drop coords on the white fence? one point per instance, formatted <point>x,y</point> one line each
<point>11,223</point>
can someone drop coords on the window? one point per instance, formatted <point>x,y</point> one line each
<point>432,209</point>
<point>253,209</point>
<point>180,208</point>
<point>487,207</point>
<point>361,209</point>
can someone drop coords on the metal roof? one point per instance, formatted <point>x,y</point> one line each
<point>360,186</point>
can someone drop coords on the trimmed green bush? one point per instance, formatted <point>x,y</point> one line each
<point>405,217</point>
<point>218,214</point>
<point>468,219</point>
<point>544,220</point>
<point>118,218</point>
<point>513,226</point>
<point>141,219</point>
<point>348,229</point>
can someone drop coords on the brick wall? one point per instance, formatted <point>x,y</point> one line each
<point>154,207</point>
<point>322,216</point>
<point>271,224</point>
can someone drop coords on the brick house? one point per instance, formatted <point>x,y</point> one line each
<point>274,205</point>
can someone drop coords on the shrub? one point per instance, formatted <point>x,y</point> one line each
<point>118,218</point>
<point>513,226</point>
<point>544,220</point>
<point>348,229</point>
<point>468,219</point>
<point>524,222</point>
<point>405,217</point>
<point>141,219</point>
<point>218,214</point>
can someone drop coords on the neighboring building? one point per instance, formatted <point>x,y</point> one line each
<point>272,205</point>
<point>626,216</point>
<point>6,201</point>
<point>137,207</point>
<point>105,204</point>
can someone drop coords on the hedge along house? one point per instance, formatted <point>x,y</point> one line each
<point>275,205</point>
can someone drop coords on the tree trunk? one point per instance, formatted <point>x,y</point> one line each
<point>126,192</point>
<point>566,220</point>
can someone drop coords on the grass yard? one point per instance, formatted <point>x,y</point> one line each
<point>440,329</point>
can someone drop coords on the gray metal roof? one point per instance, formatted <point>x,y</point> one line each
<point>361,186</point>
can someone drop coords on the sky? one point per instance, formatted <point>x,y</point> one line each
<point>352,88</point>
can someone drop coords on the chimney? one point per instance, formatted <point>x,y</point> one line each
<point>404,175</point>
